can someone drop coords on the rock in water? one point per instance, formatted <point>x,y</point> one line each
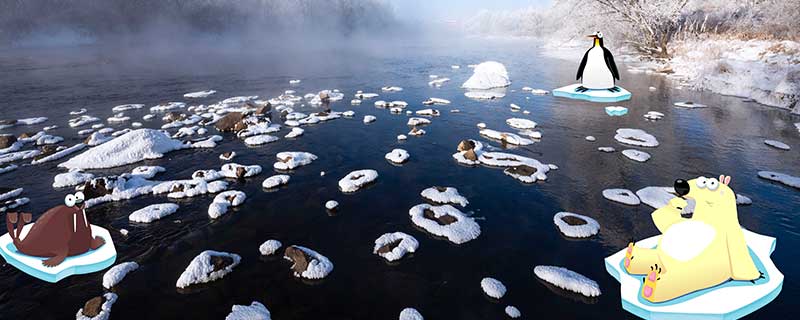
<point>229,121</point>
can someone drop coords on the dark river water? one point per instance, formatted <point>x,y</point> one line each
<point>441,280</point>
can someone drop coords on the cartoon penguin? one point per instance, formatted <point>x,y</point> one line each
<point>597,70</point>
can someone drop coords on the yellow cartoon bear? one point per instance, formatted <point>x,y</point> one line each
<point>702,244</point>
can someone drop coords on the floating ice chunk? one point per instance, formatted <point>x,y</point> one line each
<point>189,188</point>
<point>349,113</point>
<point>513,312</point>
<point>208,266</point>
<point>393,246</point>
<point>308,263</point>
<point>438,101</point>
<point>445,221</point>
<point>114,276</point>
<point>484,95</point>
<point>290,160</point>
<point>225,200</point>
<point>255,311</point>
<point>381,104</point>
<point>438,82</point>
<point>616,111</point>
<point>20,155</point>
<point>529,172</point>
<point>777,144</point>
<point>331,204</point>
<point>365,95</point>
<point>8,168</point>
<point>72,178</point>
<point>576,225</point>
<point>82,121</point>
<point>118,118</point>
<point>786,179</point>
<point>488,75</point>
<point>606,149</point>
<point>506,137</point>
<point>10,194</point>
<point>392,89</point>
<point>514,107</point>
<point>168,107</point>
<point>59,154</point>
<point>357,179</point>
<point>275,181</point>
<point>78,112</point>
<point>481,125</point>
<point>622,196</point>
<point>126,107</point>
<point>653,115</point>
<point>132,147</point>
<point>257,129</point>
<point>401,137</point>
<point>227,156</point>
<point>636,137</point>
<point>797,125</point>
<point>355,102</point>
<point>48,139</point>
<point>294,81</point>
<point>444,195</point>
<point>296,132</point>
<point>105,309</point>
<point>118,133</point>
<point>455,66</point>
<point>493,287</point>
<point>269,247</point>
<point>689,104</point>
<point>238,100</point>
<point>518,123</point>
<point>8,205</point>
<point>296,116</point>
<point>636,155</point>
<point>410,314</point>
<point>369,118</point>
<point>260,140</point>
<point>568,280</point>
<point>591,138</point>
<point>743,200</point>
<point>199,94</point>
<point>428,112</point>
<point>416,132</point>
<point>414,121</point>
<point>397,156</point>
<point>656,197</point>
<point>153,212</point>
<point>595,95</point>
<point>235,170</point>
<point>539,92</point>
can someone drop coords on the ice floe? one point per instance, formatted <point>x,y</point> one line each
<point>410,314</point>
<point>289,160</point>
<point>294,133</point>
<point>260,140</point>
<point>59,154</point>
<point>513,312</point>
<point>392,89</point>
<point>357,179</point>
<point>444,195</point>
<point>72,178</point>
<point>397,156</point>
<point>519,123</point>
<point>147,172</point>
<point>118,118</point>
<point>19,155</point>
<point>225,200</point>
<point>576,225</point>
<point>414,121</point>
<point>689,104</point>
<point>485,95</point>
<point>308,263</point>
<point>369,118</point>
<point>777,144</point>
<point>238,171</point>
<point>189,188</point>
<point>199,94</point>
<point>269,247</point>
<point>468,152</point>
<point>493,287</point>
<point>78,112</point>
<point>349,113</point>
<point>445,221</point>
<point>624,196</point>
<point>10,193</point>
<point>653,115</point>
<point>255,311</point>
<point>743,200</point>
<point>636,137</point>
<point>115,274</point>
<point>488,75</point>
<point>169,106</point>
<point>506,137</point>
<point>438,101</point>
<point>82,121</point>
<point>153,212</point>
<point>428,112</point>
<point>331,204</point>
<point>438,82</point>
<point>393,246</point>
<point>590,138</point>
<point>656,197</point>
<point>606,149</point>
<point>8,168</point>
<point>98,308</point>
<point>568,280</point>
<point>227,156</point>
<point>636,155</point>
<point>208,266</point>
<point>132,147</point>
<point>616,111</point>
<point>275,181</point>
<point>786,179</point>
<point>48,139</point>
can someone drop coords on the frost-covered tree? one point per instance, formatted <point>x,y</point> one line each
<point>654,22</point>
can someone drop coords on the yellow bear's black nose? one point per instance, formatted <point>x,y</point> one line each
<point>681,187</point>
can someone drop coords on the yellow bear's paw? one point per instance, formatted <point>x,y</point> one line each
<point>650,282</point>
<point>628,257</point>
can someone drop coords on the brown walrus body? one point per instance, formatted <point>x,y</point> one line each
<point>59,233</point>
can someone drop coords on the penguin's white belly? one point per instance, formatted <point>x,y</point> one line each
<point>596,74</point>
<point>686,240</point>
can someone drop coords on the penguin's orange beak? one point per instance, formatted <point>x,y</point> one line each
<point>593,36</point>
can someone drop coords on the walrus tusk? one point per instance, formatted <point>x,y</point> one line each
<point>74,229</point>
<point>85,222</point>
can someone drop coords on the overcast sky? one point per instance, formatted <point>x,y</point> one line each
<point>455,9</point>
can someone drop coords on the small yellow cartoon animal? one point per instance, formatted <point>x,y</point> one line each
<point>702,243</point>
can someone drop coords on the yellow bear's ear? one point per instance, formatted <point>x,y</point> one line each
<point>725,179</point>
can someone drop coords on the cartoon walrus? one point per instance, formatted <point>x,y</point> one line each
<point>60,232</point>
<point>702,243</point>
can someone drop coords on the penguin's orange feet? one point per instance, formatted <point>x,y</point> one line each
<point>650,282</point>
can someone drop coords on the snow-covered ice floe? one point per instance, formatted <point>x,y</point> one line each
<point>331,205</point>
<point>289,160</point>
<point>410,314</point>
<point>369,118</point>
<point>294,133</point>
<point>393,246</point>
<point>169,106</point>
<point>444,195</point>
<point>308,263</point>
<point>624,196</point>
<point>485,94</point>
<point>208,266</point>
<point>357,179</point>
<point>269,247</point>
<point>468,152</point>
<point>255,311</point>
<point>606,149</point>
<point>616,111</point>
<point>513,312</point>
<point>115,274</point>
<point>223,201</point>
<point>199,94</point>
<point>8,168</point>
<point>777,144</point>
<point>636,155</point>
<point>527,170</point>
<point>438,82</point>
<point>488,75</point>
<point>445,221</point>
<point>653,115</point>
<point>576,225</point>
<point>438,101</point>
<point>599,95</point>
<point>108,300</point>
<point>82,121</point>
<point>414,121</point>
<point>236,171</point>
<point>260,140</point>
<point>397,156</point>
<point>275,181</point>
<point>729,300</point>
<point>72,178</point>
<point>506,137</point>
<point>493,287</point>
<point>392,89</point>
<point>786,179</point>
<point>132,147</point>
<point>153,212</point>
<point>568,280</point>
<point>518,123</point>
<point>689,105</point>
<point>590,138</point>
<point>636,137</point>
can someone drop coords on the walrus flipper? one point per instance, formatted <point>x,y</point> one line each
<point>56,260</point>
<point>97,242</point>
